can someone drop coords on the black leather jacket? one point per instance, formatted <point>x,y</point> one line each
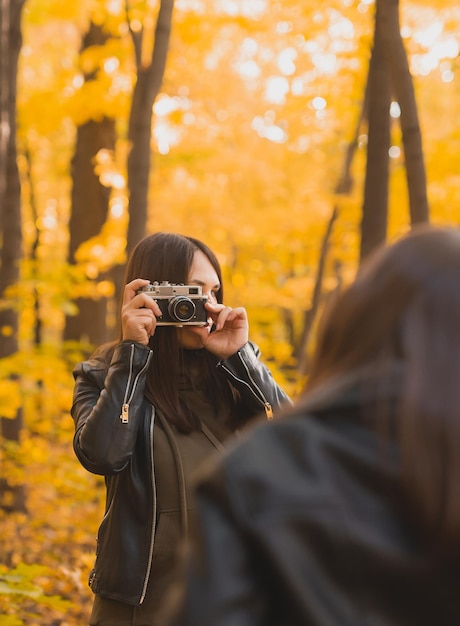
<point>114,438</point>
<point>302,524</point>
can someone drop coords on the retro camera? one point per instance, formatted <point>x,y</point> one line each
<point>180,305</point>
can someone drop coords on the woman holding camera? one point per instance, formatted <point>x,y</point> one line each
<point>149,409</point>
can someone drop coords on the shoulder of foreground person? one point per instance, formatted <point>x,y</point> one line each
<point>291,461</point>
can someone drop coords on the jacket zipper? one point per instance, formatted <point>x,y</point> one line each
<point>262,399</point>
<point>124,415</point>
<point>154,520</point>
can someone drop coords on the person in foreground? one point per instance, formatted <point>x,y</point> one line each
<point>150,408</point>
<point>345,511</point>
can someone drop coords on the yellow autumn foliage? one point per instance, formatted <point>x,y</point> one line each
<point>257,109</point>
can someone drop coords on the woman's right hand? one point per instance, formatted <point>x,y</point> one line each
<point>139,313</point>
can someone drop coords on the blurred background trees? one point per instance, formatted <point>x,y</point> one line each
<point>11,418</point>
<point>292,137</point>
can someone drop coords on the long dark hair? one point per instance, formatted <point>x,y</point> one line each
<point>168,257</point>
<point>404,307</point>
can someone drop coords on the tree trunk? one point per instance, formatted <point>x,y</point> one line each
<point>403,89</point>
<point>11,497</point>
<point>4,95</point>
<point>90,205</point>
<point>301,352</point>
<point>375,203</point>
<point>345,183</point>
<point>38,322</point>
<point>148,84</point>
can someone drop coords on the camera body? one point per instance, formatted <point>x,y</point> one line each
<point>180,305</point>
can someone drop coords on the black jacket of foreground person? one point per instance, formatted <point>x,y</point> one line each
<point>345,511</point>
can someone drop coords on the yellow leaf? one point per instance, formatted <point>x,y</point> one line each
<point>10,398</point>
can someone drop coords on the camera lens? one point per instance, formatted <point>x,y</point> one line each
<point>181,309</point>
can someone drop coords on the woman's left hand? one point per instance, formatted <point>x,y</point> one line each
<point>231,330</point>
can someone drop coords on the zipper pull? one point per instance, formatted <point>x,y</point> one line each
<point>268,411</point>
<point>124,413</point>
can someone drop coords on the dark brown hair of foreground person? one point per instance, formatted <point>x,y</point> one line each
<point>405,306</point>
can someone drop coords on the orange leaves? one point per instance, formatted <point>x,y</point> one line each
<point>64,507</point>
